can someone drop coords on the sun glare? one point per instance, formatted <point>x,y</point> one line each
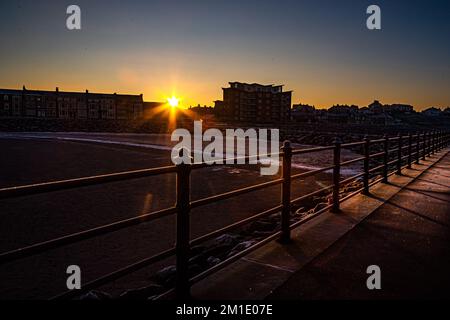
<point>173,102</point>
<point>170,111</point>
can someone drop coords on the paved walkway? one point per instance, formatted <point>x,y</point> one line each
<point>408,237</point>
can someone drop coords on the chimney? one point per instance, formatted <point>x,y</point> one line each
<point>87,91</point>
<point>24,88</point>
<point>57,89</point>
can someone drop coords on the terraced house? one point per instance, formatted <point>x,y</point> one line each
<point>69,105</point>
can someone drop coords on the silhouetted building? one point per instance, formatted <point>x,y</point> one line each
<point>69,105</point>
<point>202,110</point>
<point>219,109</point>
<point>432,112</point>
<point>304,113</point>
<point>377,107</point>
<point>303,108</point>
<point>255,103</point>
<point>152,109</point>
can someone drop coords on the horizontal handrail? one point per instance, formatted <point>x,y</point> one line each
<point>352,144</point>
<point>310,150</point>
<point>233,258</point>
<point>375,155</point>
<point>392,162</point>
<point>428,145</point>
<point>115,275</point>
<point>310,173</point>
<point>309,195</point>
<point>257,245</point>
<point>83,235</point>
<point>45,187</point>
<point>392,150</point>
<point>347,180</point>
<point>234,193</point>
<point>352,161</point>
<point>376,181</point>
<point>352,194</point>
<point>235,225</point>
<point>310,216</point>
<point>200,165</point>
<point>376,168</point>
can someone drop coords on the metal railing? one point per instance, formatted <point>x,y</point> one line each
<point>416,147</point>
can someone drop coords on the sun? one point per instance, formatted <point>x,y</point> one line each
<point>173,101</point>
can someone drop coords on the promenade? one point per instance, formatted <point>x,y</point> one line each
<point>251,268</point>
<point>403,227</point>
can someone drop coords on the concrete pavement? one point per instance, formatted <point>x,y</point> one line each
<point>408,237</point>
<point>403,227</point>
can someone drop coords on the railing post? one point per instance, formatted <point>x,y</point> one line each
<point>429,144</point>
<point>182,286</point>
<point>399,154</point>
<point>444,137</point>
<point>409,150</point>
<point>336,174</point>
<point>435,142</point>
<point>366,165</point>
<point>432,142</point>
<point>438,140</point>
<point>286,193</point>
<point>424,145</point>
<point>418,148</point>
<point>385,158</point>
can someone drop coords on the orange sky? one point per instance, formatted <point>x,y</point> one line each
<point>320,50</point>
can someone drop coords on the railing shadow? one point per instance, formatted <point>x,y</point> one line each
<point>389,202</point>
<point>433,182</point>
<point>425,193</point>
<point>184,203</point>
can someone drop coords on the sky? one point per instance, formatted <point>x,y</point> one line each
<point>321,50</point>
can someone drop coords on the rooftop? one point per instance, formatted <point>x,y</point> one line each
<point>73,93</point>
